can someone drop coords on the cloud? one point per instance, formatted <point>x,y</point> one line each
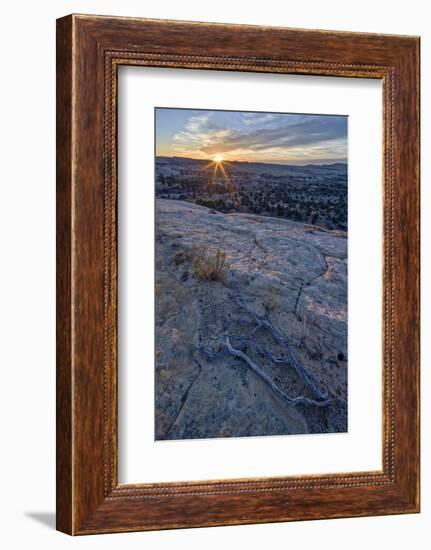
<point>257,118</point>
<point>258,136</point>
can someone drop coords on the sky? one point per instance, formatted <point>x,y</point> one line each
<point>251,136</point>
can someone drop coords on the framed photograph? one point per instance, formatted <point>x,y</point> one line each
<point>237,274</point>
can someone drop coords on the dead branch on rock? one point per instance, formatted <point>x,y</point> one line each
<point>238,347</point>
<point>262,321</point>
<point>289,400</point>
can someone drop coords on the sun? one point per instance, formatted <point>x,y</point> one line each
<point>218,158</point>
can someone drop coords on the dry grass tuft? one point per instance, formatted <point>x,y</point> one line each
<point>209,266</point>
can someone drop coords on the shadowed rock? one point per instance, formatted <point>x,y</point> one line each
<point>292,274</point>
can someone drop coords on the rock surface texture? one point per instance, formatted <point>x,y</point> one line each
<point>260,349</point>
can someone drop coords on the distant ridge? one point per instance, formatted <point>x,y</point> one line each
<point>338,164</point>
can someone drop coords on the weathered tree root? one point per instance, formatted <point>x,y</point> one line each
<point>276,389</point>
<point>291,359</point>
<point>302,373</point>
<point>321,398</point>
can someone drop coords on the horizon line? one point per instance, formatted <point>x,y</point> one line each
<point>291,163</point>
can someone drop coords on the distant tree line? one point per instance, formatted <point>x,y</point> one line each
<point>313,200</point>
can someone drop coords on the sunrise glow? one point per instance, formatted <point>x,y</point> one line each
<point>221,137</point>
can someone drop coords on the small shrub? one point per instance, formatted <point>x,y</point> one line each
<point>210,267</point>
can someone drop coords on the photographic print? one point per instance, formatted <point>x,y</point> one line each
<point>250,274</point>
